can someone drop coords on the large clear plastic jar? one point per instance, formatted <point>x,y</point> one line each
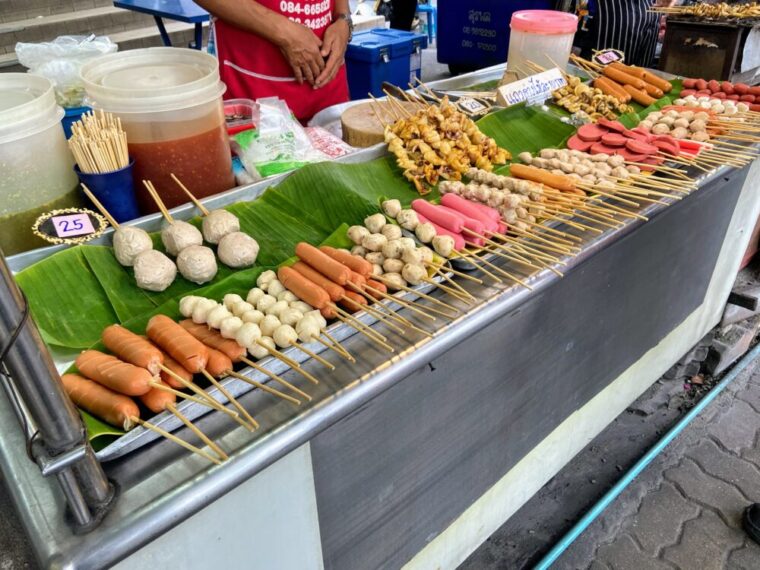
<point>36,166</point>
<point>544,37</point>
<point>170,104</point>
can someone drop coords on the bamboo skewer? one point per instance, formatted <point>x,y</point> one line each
<point>100,207</point>
<point>313,355</point>
<point>338,345</point>
<point>252,423</point>
<point>99,144</point>
<point>275,377</point>
<point>190,195</point>
<point>175,439</point>
<point>265,388</point>
<point>295,366</point>
<point>203,437</point>
<point>421,294</point>
<point>157,199</point>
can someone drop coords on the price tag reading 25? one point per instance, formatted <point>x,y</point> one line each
<point>72,225</point>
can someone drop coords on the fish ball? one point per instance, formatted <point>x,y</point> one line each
<point>276,288</point>
<point>202,309</point>
<point>290,316</point>
<point>237,250</point>
<point>408,219</point>
<point>413,273</point>
<point>180,235</point>
<point>661,129</point>
<point>525,157</point>
<point>697,125</point>
<point>391,231</point>
<point>129,242</point>
<point>253,316</point>
<point>391,208</point>
<point>681,122</point>
<point>425,232</point>
<point>307,329</point>
<point>548,153</point>
<point>411,255</point>
<point>443,245</point>
<point>286,296</point>
<point>600,157</point>
<point>377,270</point>
<point>392,265</point>
<point>374,242</point>
<point>247,335</point>
<point>679,133</point>
<point>278,308</point>
<point>700,136</point>
<point>217,315</point>
<point>262,348</point>
<point>375,257</point>
<point>186,305</point>
<point>269,325</point>
<point>230,326</point>
<point>375,223</point>
<point>301,306</point>
<point>317,316</point>
<point>742,107</point>
<point>285,336</point>
<point>394,281</point>
<point>265,278</point>
<point>359,250</point>
<point>357,234</point>
<point>154,271</point>
<point>255,295</point>
<point>218,224</point>
<point>266,303</point>
<point>230,299</point>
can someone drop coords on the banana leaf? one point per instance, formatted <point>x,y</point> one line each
<point>521,128</point>
<point>66,299</point>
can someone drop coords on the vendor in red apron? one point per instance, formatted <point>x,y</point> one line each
<point>291,49</point>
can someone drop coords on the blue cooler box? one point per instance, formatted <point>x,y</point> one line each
<point>382,55</point>
<point>475,34</point>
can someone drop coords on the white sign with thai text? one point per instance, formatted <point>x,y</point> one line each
<point>534,89</point>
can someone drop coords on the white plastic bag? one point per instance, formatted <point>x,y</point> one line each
<point>60,60</point>
<point>279,142</point>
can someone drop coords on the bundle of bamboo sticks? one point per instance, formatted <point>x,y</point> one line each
<point>98,143</point>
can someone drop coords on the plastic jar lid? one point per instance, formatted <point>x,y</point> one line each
<point>544,22</point>
<point>151,79</point>
<point>27,105</point>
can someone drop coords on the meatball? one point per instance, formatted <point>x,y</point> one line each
<point>179,235</point>
<point>218,224</point>
<point>129,242</point>
<point>197,264</point>
<point>238,249</point>
<point>154,271</point>
<point>391,208</point>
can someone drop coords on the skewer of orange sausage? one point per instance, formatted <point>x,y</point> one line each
<point>353,262</point>
<point>132,348</point>
<point>188,351</point>
<point>558,181</point>
<point>113,408</point>
<point>641,97</point>
<point>650,78</point>
<point>624,78</point>
<point>213,339</point>
<point>326,265</point>
<point>609,87</point>
<point>158,400</point>
<point>335,291</point>
<point>113,373</point>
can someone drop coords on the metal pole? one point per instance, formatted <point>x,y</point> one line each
<point>60,427</point>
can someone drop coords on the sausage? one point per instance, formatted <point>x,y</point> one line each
<point>558,181</point>
<point>656,80</point>
<point>443,218</point>
<point>376,285</point>
<point>653,91</point>
<point>156,400</point>
<point>132,348</point>
<point>353,262</point>
<point>470,209</point>
<point>214,339</point>
<point>471,225</point>
<point>304,289</point>
<point>177,368</point>
<point>357,280</point>
<point>609,87</point>
<point>689,83</point>
<point>115,409</point>
<point>459,243</point>
<point>335,291</point>
<point>113,373</point>
<point>353,302</point>
<point>624,78</point>
<point>183,347</point>
<point>326,265</point>
<point>639,96</point>
<point>218,364</point>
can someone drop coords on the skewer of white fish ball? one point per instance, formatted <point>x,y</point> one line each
<point>374,242</point>
<point>357,234</point>
<point>391,231</point>
<point>391,208</point>
<point>375,223</point>
<point>408,219</point>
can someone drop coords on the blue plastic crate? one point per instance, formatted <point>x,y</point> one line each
<point>475,33</point>
<point>382,55</point>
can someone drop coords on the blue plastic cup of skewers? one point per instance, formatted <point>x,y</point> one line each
<point>115,190</point>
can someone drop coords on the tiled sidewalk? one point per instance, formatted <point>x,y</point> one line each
<point>684,511</point>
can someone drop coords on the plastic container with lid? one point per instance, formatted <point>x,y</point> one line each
<point>36,167</point>
<point>544,37</point>
<point>169,101</point>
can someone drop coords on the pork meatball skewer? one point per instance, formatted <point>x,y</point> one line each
<point>216,223</point>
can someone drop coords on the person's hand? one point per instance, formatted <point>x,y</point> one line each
<point>301,49</point>
<point>334,46</point>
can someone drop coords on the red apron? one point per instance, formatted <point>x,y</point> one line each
<point>252,67</point>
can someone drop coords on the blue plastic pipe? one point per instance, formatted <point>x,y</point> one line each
<point>626,480</point>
